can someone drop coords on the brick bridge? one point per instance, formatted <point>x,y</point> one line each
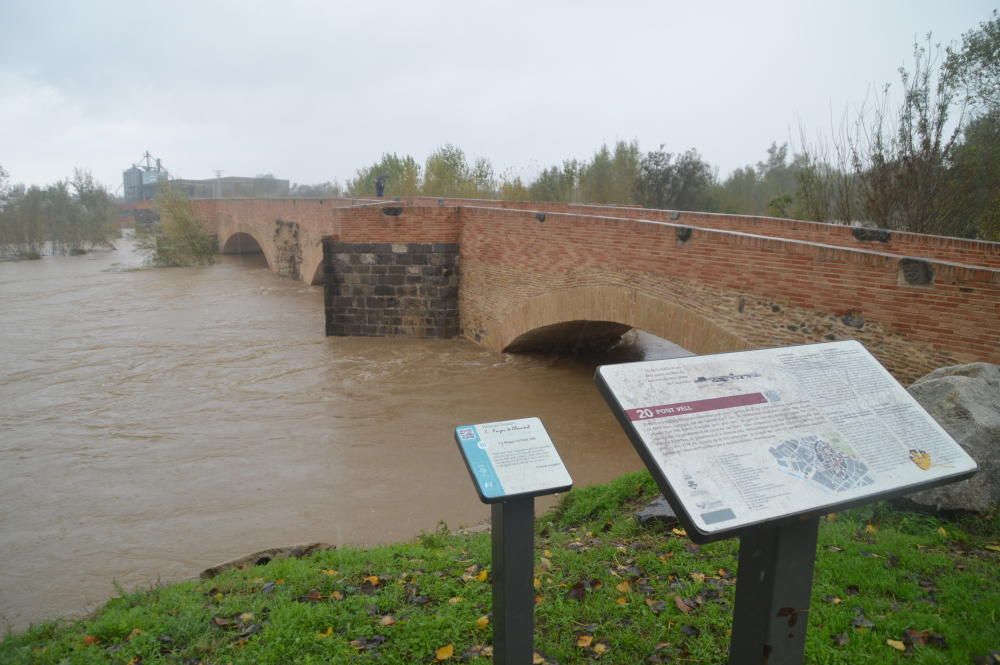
<point>520,276</point>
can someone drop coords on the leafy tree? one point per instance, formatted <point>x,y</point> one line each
<point>318,191</point>
<point>975,67</point>
<point>611,177</point>
<point>975,178</point>
<point>684,184</point>
<point>181,239</point>
<point>402,177</point>
<point>556,183</point>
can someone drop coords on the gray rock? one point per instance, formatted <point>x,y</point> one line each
<point>965,400</point>
<point>657,511</point>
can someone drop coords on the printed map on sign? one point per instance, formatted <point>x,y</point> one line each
<point>743,438</point>
<point>511,458</point>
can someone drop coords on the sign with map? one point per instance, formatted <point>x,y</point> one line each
<point>738,439</point>
<point>512,458</point>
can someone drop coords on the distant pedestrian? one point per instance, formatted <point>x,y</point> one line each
<point>380,185</point>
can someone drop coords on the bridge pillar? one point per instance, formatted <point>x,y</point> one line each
<point>390,289</point>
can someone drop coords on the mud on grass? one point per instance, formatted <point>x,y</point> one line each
<point>890,586</point>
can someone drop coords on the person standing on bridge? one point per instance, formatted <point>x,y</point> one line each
<point>380,185</point>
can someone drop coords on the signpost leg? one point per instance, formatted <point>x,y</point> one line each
<point>513,528</point>
<point>773,586</point>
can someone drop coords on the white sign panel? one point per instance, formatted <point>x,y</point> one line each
<point>510,458</point>
<point>743,438</point>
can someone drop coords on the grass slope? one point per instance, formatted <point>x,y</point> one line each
<point>608,590</point>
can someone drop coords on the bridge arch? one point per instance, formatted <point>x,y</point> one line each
<point>244,243</point>
<point>593,314</point>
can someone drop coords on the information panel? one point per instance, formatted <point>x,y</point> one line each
<point>512,458</point>
<point>738,439</point>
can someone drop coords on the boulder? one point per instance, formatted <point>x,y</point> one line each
<point>265,556</point>
<point>658,511</point>
<point>965,400</point>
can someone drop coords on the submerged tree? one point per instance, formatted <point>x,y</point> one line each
<point>181,239</point>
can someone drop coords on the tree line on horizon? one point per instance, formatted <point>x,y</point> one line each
<point>929,164</point>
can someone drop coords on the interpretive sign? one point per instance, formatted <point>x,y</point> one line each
<point>511,462</point>
<point>742,439</point>
<point>512,458</point>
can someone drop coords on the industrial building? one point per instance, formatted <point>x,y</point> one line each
<point>143,180</point>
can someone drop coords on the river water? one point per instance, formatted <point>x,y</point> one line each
<point>154,422</point>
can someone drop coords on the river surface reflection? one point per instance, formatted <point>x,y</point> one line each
<point>154,422</point>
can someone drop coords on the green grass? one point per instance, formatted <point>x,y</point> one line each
<point>894,570</point>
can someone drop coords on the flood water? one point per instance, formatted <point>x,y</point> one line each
<point>154,422</point>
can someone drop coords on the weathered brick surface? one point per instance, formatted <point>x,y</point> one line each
<point>724,290</point>
<point>387,289</point>
<point>708,282</point>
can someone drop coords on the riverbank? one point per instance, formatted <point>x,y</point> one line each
<point>888,583</point>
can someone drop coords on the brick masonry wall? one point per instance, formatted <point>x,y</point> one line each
<point>390,289</point>
<point>762,291</point>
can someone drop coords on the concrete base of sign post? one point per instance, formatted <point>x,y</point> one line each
<point>513,527</point>
<point>773,586</point>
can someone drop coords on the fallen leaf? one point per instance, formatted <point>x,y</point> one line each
<point>455,600</point>
<point>993,547</point>
<point>336,595</point>
<point>942,532</point>
<point>547,553</point>
<point>387,620</point>
<point>545,564</point>
<point>444,653</point>
<point>584,641</point>
<point>679,532</point>
<point>136,632</point>
<point>656,606</point>
<point>833,600</point>
<point>90,640</point>
<point>852,590</point>
<point>482,622</point>
<point>537,583</point>
<point>482,576</point>
<point>698,577</point>
<point>622,601</point>
<point>624,587</point>
<point>536,659</point>
<point>840,639</point>
<point>682,605</point>
<point>600,648</point>
<point>871,529</point>
<point>896,644</point>
<point>329,571</point>
<point>691,631</point>
<point>326,633</point>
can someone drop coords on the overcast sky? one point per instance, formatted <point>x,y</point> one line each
<point>309,91</point>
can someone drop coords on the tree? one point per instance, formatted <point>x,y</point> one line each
<point>402,177</point>
<point>901,158</point>
<point>557,183</point>
<point>975,67</point>
<point>448,173</point>
<point>181,239</point>
<point>683,184</point>
<point>611,177</point>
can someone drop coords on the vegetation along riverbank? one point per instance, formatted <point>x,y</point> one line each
<point>889,585</point>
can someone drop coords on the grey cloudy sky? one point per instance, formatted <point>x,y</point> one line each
<point>309,91</point>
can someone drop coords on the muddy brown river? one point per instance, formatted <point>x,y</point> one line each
<point>154,422</point>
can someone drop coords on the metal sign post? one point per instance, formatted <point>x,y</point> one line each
<point>513,575</point>
<point>511,462</point>
<point>759,445</point>
<point>773,586</point>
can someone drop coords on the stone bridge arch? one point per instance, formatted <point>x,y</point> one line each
<point>593,314</point>
<point>245,243</point>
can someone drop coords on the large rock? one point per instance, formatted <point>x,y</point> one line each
<point>965,400</point>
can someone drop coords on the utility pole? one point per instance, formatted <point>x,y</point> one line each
<point>218,183</point>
